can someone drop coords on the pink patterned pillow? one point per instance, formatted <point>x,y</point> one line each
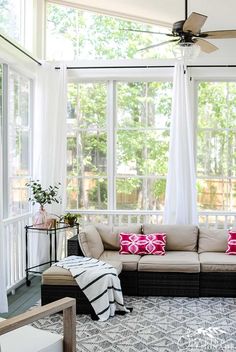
<point>131,243</point>
<point>231,250</point>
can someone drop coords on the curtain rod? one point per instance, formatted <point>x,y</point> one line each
<point>18,48</point>
<point>141,66</point>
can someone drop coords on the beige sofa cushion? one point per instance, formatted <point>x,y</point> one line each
<point>180,262</point>
<point>212,240</point>
<point>109,241</point>
<point>178,237</point>
<point>110,235</point>
<point>217,262</point>
<point>129,261</point>
<point>29,339</point>
<point>59,276</point>
<point>90,242</point>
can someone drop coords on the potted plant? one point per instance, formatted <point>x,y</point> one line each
<point>70,218</point>
<point>42,196</point>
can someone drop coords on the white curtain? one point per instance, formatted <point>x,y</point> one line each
<point>49,142</point>
<point>3,292</point>
<point>180,200</point>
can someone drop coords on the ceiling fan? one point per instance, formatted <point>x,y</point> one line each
<point>188,32</point>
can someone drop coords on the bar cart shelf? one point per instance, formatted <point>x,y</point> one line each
<point>52,233</point>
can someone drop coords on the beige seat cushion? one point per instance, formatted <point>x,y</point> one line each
<point>110,235</point>
<point>29,339</point>
<point>57,276</point>
<point>212,240</point>
<point>129,261</point>
<point>60,276</point>
<point>90,242</point>
<point>178,237</point>
<point>217,262</point>
<point>183,262</point>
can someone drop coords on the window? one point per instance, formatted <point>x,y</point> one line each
<point>137,147</point>
<point>72,33</point>
<point>16,142</point>
<point>87,146</point>
<point>216,146</point>
<point>143,118</point>
<point>1,95</point>
<point>16,21</point>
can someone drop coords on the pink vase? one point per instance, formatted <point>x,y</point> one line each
<point>40,218</point>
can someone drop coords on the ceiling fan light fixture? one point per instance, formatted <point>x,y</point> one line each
<point>187,51</point>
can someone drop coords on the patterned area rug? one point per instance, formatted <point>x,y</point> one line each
<point>163,324</point>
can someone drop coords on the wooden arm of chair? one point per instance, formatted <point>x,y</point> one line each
<point>67,305</point>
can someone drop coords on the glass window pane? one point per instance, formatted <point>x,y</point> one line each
<point>130,193</point>
<point>72,163</point>
<point>142,152</point>
<point>156,194</point>
<point>16,21</point>
<point>87,105</point>
<point>87,193</point>
<point>1,93</point>
<point>73,192</point>
<point>217,194</point>
<point>72,33</point>
<point>156,162</point>
<point>216,145</point>
<point>144,104</point>
<point>93,152</point>
<point>87,145</point>
<point>212,153</point>
<point>143,121</point>
<point>19,152</point>
<point>18,142</point>
<point>18,196</point>
<point>140,193</point>
<point>216,104</point>
<point>86,154</point>
<point>10,18</point>
<point>19,95</point>
<point>131,152</point>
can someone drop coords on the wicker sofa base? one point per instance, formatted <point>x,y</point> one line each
<point>129,282</point>
<point>218,284</point>
<point>50,293</point>
<point>168,284</point>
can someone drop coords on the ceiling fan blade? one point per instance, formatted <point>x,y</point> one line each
<point>142,31</point>
<point>219,34</point>
<point>194,23</point>
<point>205,46</point>
<point>159,44</point>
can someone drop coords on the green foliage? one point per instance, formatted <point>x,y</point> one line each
<point>70,218</point>
<point>98,194</point>
<point>41,195</point>
<point>216,152</point>
<point>96,36</point>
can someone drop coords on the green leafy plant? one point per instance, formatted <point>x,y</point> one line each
<point>70,218</point>
<point>43,196</point>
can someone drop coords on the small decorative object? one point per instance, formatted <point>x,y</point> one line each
<point>42,197</point>
<point>70,219</point>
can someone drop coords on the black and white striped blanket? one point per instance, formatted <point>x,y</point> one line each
<point>99,282</point>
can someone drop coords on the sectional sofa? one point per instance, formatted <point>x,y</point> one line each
<point>195,263</point>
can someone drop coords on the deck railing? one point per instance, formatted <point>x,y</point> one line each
<point>14,240</point>
<point>213,220</point>
<point>14,233</point>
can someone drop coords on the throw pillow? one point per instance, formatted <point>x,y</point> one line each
<point>231,250</point>
<point>131,243</point>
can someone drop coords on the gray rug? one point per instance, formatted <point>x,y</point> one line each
<point>162,324</point>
